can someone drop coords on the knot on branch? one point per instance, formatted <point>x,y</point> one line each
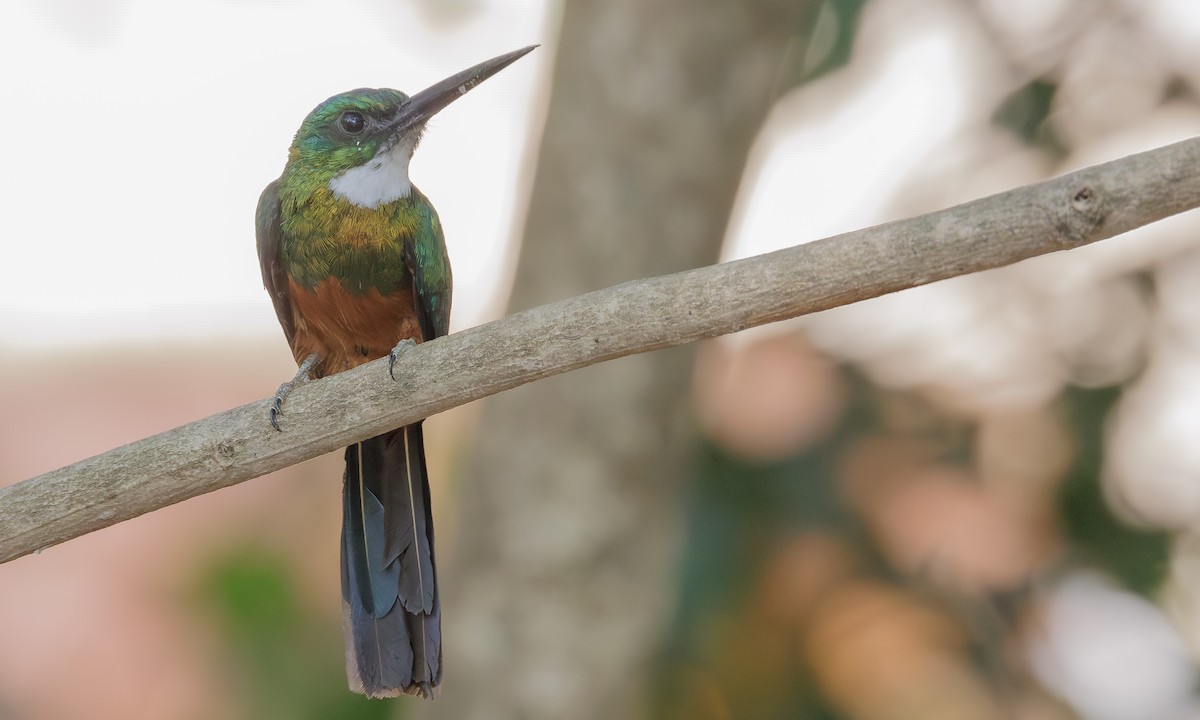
<point>226,452</point>
<point>1078,221</point>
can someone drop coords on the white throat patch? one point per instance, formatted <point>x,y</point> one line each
<point>378,181</point>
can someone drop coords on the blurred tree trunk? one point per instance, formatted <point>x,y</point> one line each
<point>563,575</point>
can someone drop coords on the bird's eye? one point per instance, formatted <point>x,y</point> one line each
<point>352,122</point>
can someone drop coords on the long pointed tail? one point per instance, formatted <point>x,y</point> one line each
<point>390,602</point>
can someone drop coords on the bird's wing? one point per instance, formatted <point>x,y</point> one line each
<point>270,257</point>
<point>426,258</point>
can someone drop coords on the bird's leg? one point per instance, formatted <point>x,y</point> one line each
<point>303,375</point>
<point>401,346</point>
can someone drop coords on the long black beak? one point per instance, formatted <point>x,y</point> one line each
<point>431,100</point>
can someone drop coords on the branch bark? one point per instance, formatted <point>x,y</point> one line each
<point>634,317</point>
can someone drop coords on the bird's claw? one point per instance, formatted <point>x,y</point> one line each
<point>277,405</point>
<point>303,375</point>
<point>401,346</point>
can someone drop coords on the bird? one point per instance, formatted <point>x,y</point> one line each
<point>354,259</point>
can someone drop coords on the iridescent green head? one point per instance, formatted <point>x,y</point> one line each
<point>359,143</point>
<point>349,129</point>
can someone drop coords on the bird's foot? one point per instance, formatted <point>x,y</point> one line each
<point>303,375</point>
<point>401,346</point>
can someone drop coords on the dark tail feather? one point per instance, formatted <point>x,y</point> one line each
<point>390,602</point>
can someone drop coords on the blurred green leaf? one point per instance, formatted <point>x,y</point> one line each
<point>1026,114</point>
<point>1137,557</point>
<point>286,659</point>
<point>827,44</point>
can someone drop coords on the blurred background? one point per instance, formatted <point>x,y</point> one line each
<point>974,499</point>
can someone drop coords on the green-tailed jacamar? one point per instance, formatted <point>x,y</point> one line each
<point>354,260</point>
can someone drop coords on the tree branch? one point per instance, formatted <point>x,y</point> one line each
<point>237,445</point>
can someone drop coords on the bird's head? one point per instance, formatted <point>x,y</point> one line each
<point>360,142</point>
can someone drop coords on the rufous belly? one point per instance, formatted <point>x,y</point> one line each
<point>348,329</point>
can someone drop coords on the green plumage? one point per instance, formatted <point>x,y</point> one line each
<point>386,248</point>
